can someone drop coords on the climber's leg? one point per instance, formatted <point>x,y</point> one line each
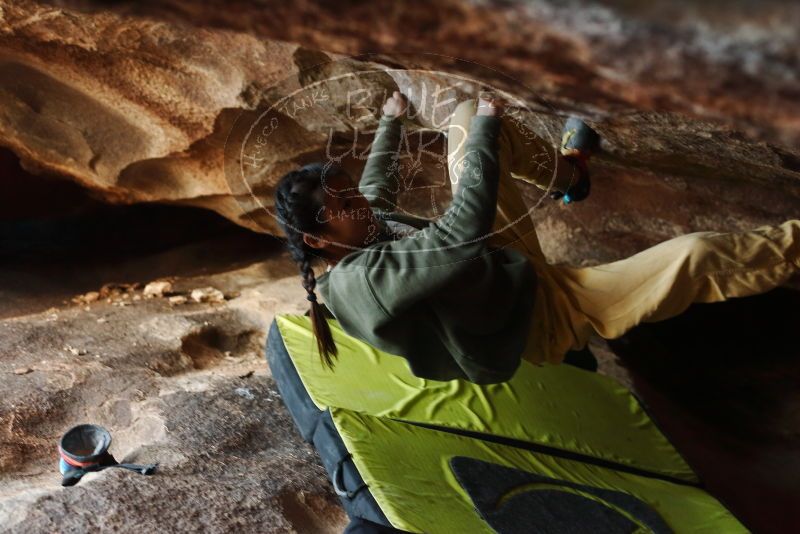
<point>656,284</point>
<point>662,281</point>
<point>653,285</point>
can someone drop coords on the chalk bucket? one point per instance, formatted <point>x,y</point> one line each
<point>84,449</point>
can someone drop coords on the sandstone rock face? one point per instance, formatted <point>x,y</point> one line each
<point>183,386</point>
<point>148,109</point>
<point>118,105</point>
<point>735,61</point>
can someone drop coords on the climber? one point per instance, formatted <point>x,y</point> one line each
<point>468,295</point>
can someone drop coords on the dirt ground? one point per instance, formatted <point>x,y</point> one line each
<point>185,385</point>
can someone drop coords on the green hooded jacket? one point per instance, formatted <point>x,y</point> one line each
<point>441,297</point>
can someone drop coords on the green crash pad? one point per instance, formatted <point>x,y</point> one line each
<point>391,456</point>
<point>556,422</point>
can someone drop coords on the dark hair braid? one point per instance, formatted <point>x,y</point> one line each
<point>298,199</point>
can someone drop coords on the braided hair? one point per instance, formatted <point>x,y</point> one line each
<point>299,197</point>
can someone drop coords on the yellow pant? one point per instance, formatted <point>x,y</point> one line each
<point>652,285</point>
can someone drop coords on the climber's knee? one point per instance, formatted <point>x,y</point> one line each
<point>696,243</point>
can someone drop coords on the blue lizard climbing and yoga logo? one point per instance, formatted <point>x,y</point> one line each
<point>329,113</point>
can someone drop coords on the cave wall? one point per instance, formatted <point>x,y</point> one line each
<point>137,101</point>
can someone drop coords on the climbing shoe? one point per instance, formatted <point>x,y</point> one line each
<point>578,143</point>
<point>578,139</point>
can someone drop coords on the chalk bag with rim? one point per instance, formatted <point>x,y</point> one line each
<point>84,449</point>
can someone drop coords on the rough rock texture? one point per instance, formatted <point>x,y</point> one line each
<point>106,104</point>
<point>186,386</point>
<point>138,110</point>
<point>735,61</point>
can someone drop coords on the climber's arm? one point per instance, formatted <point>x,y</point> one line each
<point>380,182</point>
<point>397,274</point>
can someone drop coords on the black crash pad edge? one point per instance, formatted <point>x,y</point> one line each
<point>317,428</point>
